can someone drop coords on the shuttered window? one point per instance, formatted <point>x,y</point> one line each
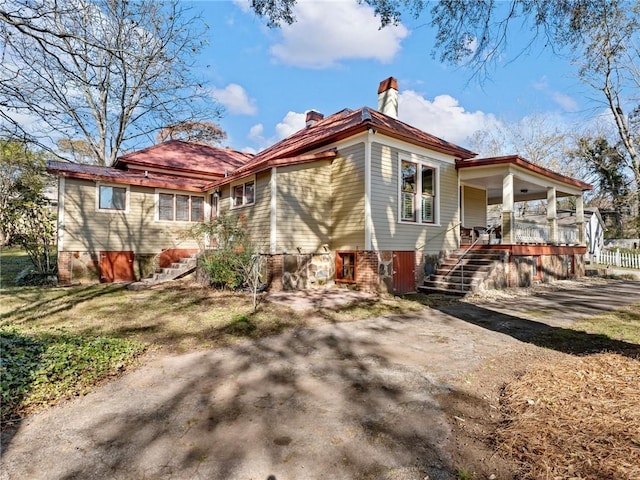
<point>417,196</point>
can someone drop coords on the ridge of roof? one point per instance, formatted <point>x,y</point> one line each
<point>184,156</point>
<point>347,122</point>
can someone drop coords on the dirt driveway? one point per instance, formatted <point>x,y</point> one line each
<point>375,399</point>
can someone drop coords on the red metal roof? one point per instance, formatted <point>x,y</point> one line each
<point>186,157</point>
<point>518,160</point>
<point>128,177</point>
<point>346,123</point>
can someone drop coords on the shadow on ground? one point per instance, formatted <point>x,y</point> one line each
<point>555,309</point>
<point>315,403</point>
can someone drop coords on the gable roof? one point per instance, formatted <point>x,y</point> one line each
<point>347,123</point>
<point>186,157</point>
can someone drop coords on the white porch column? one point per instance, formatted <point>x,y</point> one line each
<point>508,219</point>
<point>552,215</point>
<point>580,218</point>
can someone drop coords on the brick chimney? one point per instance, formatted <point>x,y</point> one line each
<point>388,97</point>
<point>313,117</point>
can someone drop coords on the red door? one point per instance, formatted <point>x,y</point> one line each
<point>116,267</point>
<point>404,272</point>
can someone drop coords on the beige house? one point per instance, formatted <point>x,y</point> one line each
<point>357,198</point>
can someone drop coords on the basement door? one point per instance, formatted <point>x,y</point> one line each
<point>116,267</point>
<point>404,272</point>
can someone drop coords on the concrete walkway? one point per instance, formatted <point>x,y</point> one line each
<point>355,400</point>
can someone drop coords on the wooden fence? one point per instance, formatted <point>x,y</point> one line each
<point>618,259</point>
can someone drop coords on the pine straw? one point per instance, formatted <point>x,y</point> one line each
<point>578,419</point>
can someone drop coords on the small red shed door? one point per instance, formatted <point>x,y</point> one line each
<point>116,267</point>
<point>404,272</point>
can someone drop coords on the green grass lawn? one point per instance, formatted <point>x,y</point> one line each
<point>12,261</point>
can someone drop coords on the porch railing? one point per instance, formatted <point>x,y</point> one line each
<point>526,232</point>
<point>490,231</point>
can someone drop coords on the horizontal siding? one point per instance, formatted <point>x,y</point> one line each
<point>388,233</point>
<point>86,229</point>
<point>347,205</point>
<point>256,217</point>
<point>304,198</point>
<point>475,207</point>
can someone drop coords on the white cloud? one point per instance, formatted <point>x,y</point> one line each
<point>565,101</point>
<point>351,31</point>
<point>290,124</point>
<point>541,84</point>
<point>235,99</point>
<point>444,117</point>
<point>256,132</point>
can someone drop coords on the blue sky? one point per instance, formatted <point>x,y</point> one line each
<point>334,57</point>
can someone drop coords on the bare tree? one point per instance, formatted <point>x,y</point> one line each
<point>539,138</point>
<point>207,133</point>
<point>611,65</point>
<point>107,72</point>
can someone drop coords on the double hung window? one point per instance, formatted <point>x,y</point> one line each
<point>243,193</point>
<point>417,192</point>
<point>180,208</point>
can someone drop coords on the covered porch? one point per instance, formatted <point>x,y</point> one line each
<point>505,182</point>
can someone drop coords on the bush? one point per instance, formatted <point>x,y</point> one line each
<point>232,263</point>
<point>226,268</point>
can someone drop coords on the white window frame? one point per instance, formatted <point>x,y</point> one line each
<point>419,162</point>
<point>175,195</point>
<point>242,182</point>
<point>113,185</point>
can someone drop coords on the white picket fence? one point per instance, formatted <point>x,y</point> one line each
<point>618,259</point>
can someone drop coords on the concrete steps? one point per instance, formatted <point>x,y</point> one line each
<point>462,273</point>
<point>175,271</point>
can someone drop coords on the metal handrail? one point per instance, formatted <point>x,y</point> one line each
<point>489,230</point>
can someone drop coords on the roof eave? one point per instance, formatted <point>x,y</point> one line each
<point>142,182</point>
<point>521,162</point>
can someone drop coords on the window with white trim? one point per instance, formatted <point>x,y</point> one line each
<point>112,198</point>
<point>417,197</point>
<point>175,207</point>
<point>243,193</point>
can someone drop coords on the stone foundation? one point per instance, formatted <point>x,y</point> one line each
<point>520,272</point>
<point>73,267</point>
<point>302,271</point>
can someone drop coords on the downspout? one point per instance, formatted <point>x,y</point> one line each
<point>61,184</point>
<point>368,224</point>
<point>273,238</point>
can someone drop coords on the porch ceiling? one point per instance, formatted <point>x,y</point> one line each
<point>530,182</point>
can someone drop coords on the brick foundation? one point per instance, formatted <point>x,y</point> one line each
<point>367,276</point>
<point>274,272</point>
